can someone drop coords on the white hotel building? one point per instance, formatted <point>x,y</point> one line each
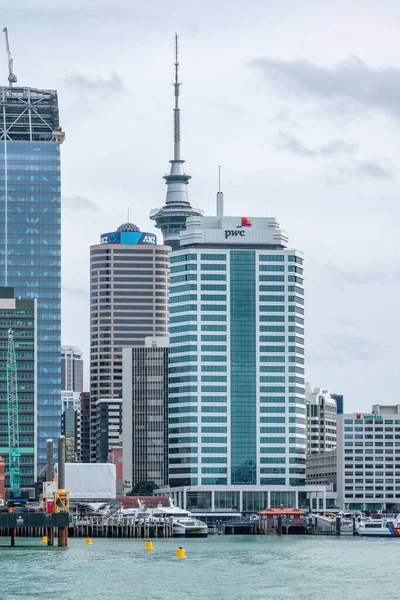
<point>237,414</point>
<point>368,459</point>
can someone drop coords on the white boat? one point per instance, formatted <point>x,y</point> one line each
<point>184,524</point>
<point>381,527</point>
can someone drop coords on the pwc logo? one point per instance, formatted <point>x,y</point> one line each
<point>239,231</point>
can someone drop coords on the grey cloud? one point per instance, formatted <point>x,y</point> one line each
<point>79,203</point>
<point>76,292</point>
<point>362,169</point>
<point>351,81</point>
<point>343,349</point>
<point>360,277</point>
<point>295,146</point>
<point>81,82</point>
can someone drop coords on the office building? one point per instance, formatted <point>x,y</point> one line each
<point>171,218</point>
<point>368,459</point>
<point>145,413</point>
<point>321,469</point>
<point>321,420</point>
<point>30,232</point>
<point>129,287</point>
<point>20,316</point>
<point>71,428</point>
<point>339,403</point>
<point>86,412</point>
<point>237,413</point>
<point>108,426</point>
<point>71,375</point>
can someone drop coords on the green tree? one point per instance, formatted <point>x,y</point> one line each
<point>143,488</point>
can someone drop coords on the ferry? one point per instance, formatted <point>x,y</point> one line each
<point>184,524</point>
<point>381,527</point>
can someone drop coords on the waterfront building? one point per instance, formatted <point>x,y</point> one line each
<point>30,232</point>
<point>108,426</point>
<point>20,315</point>
<point>321,469</point>
<point>321,420</point>
<point>368,459</point>
<point>145,413</point>
<point>128,290</point>
<point>171,218</point>
<point>237,412</point>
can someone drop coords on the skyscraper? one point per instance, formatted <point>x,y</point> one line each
<point>171,218</point>
<point>30,235</point>
<point>71,369</point>
<point>129,301</point>
<point>321,420</point>
<point>145,413</point>
<point>20,316</point>
<point>237,416</point>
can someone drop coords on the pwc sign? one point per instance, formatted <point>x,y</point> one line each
<point>239,231</point>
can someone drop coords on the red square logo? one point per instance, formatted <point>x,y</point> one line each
<point>246,222</point>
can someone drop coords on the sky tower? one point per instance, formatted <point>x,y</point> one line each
<point>171,218</point>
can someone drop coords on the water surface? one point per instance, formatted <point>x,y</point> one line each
<point>226,567</point>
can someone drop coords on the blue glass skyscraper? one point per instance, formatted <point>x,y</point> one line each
<point>30,233</point>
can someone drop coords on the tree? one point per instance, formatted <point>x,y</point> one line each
<point>143,488</point>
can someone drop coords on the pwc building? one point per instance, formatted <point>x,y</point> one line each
<point>237,413</point>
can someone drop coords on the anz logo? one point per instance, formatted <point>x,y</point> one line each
<point>149,239</point>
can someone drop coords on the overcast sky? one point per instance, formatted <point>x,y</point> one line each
<point>299,101</point>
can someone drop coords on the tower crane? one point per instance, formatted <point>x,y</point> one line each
<point>13,429</point>
<point>11,77</point>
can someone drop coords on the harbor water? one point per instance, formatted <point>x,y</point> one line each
<point>226,567</point>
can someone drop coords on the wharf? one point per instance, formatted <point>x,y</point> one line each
<point>34,524</point>
<point>98,527</point>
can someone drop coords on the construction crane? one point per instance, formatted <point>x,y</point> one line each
<point>13,429</point>
<point>11,77</point>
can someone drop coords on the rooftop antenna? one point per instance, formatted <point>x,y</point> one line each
<point>220,196</point>
<point>11,77</point>
<point>128,215</point>
<point>177,112</point>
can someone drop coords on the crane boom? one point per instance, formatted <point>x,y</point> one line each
<point>11,77</point>
<point>13,429</point>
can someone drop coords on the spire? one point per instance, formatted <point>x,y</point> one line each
<point>177,111</point>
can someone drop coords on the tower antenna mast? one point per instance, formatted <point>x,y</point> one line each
<point>11,77</point>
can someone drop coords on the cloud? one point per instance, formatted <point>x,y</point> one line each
<point>83,83</point>
<point>351,81</point>
<point>79,203</point>
<point>360,277</point>
<point>295,146</point>
<point>343,349</point>
<point>363,169</point>
<point>76,292</point>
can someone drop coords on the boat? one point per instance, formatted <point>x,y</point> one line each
<point>380,527</point>
<point>184,523</point>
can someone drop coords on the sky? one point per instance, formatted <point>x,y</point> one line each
<point>299,102</point>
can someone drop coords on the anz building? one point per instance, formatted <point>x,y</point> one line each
<point>237,414</point>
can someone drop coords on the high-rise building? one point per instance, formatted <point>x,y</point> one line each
<point>129,289</point>
<point>339,403</point>
<point>171,218</point>
<point>321,420</point>
<point>145,413</point>
<point>368,463</point>
<point>30,232</point>
<point>71,429</point>
<point>71,369</point>
<point>108,426</point>
<point>237,414</point>
<point>86,412</point>
<point>20,316</point>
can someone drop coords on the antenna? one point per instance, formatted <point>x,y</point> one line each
<point>11,77</point>
<point>128,215</point>
<point>220,196</point>
<point>177,115</point>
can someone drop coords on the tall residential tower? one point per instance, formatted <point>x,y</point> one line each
<point>30,232</point>
<point>171,218</point>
